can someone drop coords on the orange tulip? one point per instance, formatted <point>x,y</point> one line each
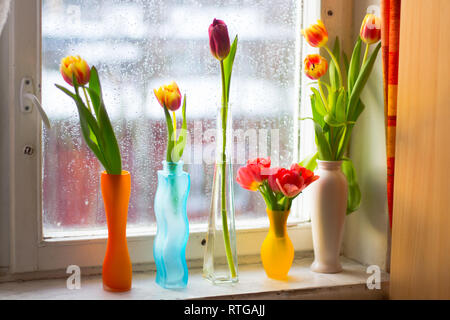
<point>74,65</point>
<point>316,34</point>
<point>315,66</point>
<point>169,96</point>
<point>370,29</point>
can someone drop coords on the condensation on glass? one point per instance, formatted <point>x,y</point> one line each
<point>138,46</point>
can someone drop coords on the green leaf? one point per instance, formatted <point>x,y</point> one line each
<point>181,143</point>
<point>98,133</point>
<point>95,87</point>
<point>111,147</point>
<point>354,192</point>
<point>228,66</point>
<point>346,63</point>
<point>318,103</point>
<point>94,82</point>
<point>332,99</point>
<point>310,162</point>
<point>66,91</point>
<point>89,127</point>
<point>323,146</point>
<point>358,110</point>
<point>353,71</point>
<point>361,82</point>
<point>333,122</point>
<point>344,142</point>
<point>341,106</point>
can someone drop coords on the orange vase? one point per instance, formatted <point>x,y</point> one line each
<point>277,251</point>
<point>117,270</point>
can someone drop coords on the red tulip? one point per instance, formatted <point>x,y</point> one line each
<point>249,177</point>
<point>370,29</point>
<point>307,175</point>
<point>219,41</point>
<point>272,179</point>
<point>263,164</point>
<point>291,182</point>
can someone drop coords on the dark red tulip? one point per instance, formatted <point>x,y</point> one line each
<point>219,41</point>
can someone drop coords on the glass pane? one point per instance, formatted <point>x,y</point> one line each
<point>137,46</point>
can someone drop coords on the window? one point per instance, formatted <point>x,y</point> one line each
<point>137,46</point>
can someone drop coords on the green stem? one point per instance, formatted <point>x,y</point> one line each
<point>226,235</point>
<point>365,54</point>
<point>336,63</point>
<point>169,135</point>
<point>87,100</point>
<point>174,125</point>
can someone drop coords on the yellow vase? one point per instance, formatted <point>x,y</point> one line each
<point>277,251</point>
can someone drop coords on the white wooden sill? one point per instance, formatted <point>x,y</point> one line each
<point>253,284</point>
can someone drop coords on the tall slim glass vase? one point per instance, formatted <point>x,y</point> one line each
<point>220,259</point>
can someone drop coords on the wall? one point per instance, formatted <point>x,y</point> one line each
<point>366,231</point>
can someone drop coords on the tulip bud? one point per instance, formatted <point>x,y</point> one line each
<point>315,66</point>
<point>219,41</point>
<point>371,29</point>
<point>74,65</point>
<point>169,96</point>
<point>316,34</point>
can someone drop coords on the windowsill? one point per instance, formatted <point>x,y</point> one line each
<point>253,284</point>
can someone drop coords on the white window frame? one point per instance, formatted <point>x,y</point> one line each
<point>29,251</point>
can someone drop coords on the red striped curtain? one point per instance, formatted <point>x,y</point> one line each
<point>390,39</point>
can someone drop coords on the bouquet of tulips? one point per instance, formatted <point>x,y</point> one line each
<point>278,186</point>
<point>94,120</point>
<point>335,112</point>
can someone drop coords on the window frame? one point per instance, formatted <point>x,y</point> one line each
<point>29,251</point>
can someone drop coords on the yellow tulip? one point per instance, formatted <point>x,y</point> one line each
<point>315,66</point>
<point>169,96</point>
<point>74,65</point>
<point>316,34</point>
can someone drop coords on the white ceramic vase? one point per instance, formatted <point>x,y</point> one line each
<point>328,216</point>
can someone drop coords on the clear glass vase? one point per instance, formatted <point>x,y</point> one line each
<point>220,263</point>
<point>169,248</point>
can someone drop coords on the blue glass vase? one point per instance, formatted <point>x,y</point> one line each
<point>169,248</point>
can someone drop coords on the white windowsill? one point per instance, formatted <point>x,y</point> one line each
<point>253,284</point>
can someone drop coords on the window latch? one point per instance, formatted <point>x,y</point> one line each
<point>28,99</point>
